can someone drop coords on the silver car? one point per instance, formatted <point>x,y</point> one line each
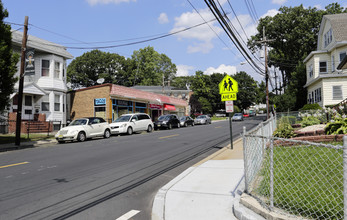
<point>202,120</point>
<point>237,117</point>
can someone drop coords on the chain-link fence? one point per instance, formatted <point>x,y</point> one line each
<point>296,178</point>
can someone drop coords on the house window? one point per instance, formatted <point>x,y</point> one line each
<point>342,56</point>
<point>45,104</point>
<point>310,69</point>
<point>337,92</point>
<point>28,101</point>
<point>57,103</point>
<point>15,100</point>
<point>323,67</point>
<point>332,64</point>
<point>328,37</point>
<point>56,70</point>
<point>309,98</point>
<point>45,68</point>
<point>319,95</point>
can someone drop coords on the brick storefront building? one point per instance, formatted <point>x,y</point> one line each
<point>110,101</point>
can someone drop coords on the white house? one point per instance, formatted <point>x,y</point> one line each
<point>325,84</point>
<point>45,90</point>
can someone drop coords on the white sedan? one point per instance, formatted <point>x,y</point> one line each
<point>83,128</point>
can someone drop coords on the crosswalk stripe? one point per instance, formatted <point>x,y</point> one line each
<point>128,215</point>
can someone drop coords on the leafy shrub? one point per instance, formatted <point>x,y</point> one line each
<point>288,120</point>
<point>314,106</point>
<point>337,127</point>
<point>284,130</point>
<point>308,121</point>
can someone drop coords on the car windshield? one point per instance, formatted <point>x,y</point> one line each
<point>183,118</point>
<point>201,117</point>
<point>78,122</point>
<point>237,114</point>
<point>123,118</point>
<point>164,118</point>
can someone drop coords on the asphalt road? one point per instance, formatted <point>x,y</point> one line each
<point>104,178</point>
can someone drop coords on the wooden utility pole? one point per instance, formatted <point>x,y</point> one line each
<point>265,41</point>
<point>21,82</point>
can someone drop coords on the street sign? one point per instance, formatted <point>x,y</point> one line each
<point>229,106</point>
<point>229,97</point>
<point>228,85</point>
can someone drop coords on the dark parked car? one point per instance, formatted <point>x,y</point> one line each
<point>167,121</point>
<point>186,120</point>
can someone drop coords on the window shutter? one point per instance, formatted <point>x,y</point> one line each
<point>337,92</point>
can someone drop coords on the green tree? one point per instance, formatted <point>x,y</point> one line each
<point>85,70</point>
<point>261,93</point>
<point>293,33</point>
<point>247,94</point>
<point>8,61</point>
<point>149,68</point>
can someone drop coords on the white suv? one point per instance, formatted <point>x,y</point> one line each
<point>129,123</point>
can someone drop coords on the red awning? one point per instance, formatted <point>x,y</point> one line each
<point>169,107</point>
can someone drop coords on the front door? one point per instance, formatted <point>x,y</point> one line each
<point>28,108</point>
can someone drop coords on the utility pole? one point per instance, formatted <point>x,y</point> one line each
<point>21,82</point>
<point>265,41</point>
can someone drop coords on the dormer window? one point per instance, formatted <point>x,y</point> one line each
<point>310,69</point>
<point>328,37</point>
<point>323,67</point>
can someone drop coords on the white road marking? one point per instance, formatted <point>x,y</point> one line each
<point>128,215</point>
<point>9,177</point>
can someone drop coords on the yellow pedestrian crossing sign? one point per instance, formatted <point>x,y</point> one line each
<point>228,88</point>
<point>228,85</point>
<point>229,96</point>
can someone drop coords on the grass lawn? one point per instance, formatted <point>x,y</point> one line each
<point>10,138</point>
<point>308,181</point>
<point>214,118</point>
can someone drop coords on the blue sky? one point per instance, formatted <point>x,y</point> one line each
<point>86,23</point>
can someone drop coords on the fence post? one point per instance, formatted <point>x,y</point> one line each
<point>345,176</point>
<point>245,158</point>
<point>271,173</point>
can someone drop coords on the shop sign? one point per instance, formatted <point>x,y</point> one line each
<point>155,106</point>
<point>124,103</point>
<point>169,107</point>
<point>101,101</point>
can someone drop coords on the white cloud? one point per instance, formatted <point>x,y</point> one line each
<point>279,2</point>
<point>183,70</point>
<point>271,13</point>
<point>163,18</point>
<point>203,34</point>
<point>318,7</point>
<point>230,70</point>
<point>95,2</point>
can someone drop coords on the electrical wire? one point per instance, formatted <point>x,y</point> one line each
<point>212,28</point>
<point>224,24</point>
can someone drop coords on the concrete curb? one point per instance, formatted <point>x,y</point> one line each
<point>158,208</point>
<point>24,145</point>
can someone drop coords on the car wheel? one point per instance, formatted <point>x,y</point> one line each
<point>178,125</point>
<point>149,129</point>
<point>107,133</point>
<point>169,126</point>
<point>130,131</point>
<point>193,124</point>
<point>185,125</point>
<point>81,136</point>
<point>205,122</point>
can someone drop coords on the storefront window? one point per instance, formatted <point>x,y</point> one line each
<point>100,108</point>
<point>140,107</point>
<point>121,107</point>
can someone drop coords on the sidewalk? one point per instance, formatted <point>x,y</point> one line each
<point>209,190</point>
<point>26,144</point>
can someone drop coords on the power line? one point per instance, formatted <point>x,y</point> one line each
<point>212,28</point>
<point>228,30</point>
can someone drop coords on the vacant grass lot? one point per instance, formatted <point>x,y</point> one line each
<point>308,181</point>
<point>10,138</point>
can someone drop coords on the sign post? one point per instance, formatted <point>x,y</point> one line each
<point>228,88</point>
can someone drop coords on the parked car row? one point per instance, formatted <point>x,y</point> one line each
<point>89,127</point>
